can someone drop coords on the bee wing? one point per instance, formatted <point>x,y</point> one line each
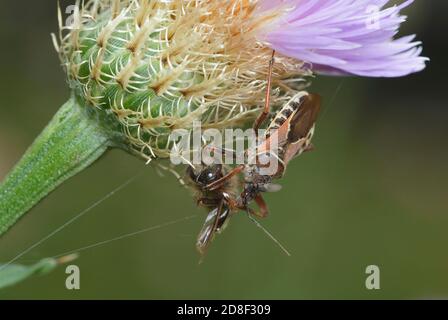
<point>272,187</point>
<point>214,222</point>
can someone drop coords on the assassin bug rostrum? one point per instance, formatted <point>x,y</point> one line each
<point>288,135</point>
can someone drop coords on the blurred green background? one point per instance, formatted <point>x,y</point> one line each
<point>374,191</point>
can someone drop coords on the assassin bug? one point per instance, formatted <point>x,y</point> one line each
<point>291,131</point>
<point>288,135</point>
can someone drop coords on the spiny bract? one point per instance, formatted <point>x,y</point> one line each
<point>160,65</point>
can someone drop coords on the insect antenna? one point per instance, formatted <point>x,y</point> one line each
<point>270,235</point>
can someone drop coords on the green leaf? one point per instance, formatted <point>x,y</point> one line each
<point>11,274</point>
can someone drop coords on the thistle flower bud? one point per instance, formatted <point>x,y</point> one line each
<point>161,65</point>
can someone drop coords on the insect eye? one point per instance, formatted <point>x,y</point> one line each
<point>206,177</point>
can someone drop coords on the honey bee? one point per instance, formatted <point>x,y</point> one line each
<point>220,202</point>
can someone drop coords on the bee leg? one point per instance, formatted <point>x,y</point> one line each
<point>206,202</point>
<point>259,200</point>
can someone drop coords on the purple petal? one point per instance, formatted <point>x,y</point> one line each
<point>344,36</point>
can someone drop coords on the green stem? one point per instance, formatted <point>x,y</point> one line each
<point>72,141</point>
